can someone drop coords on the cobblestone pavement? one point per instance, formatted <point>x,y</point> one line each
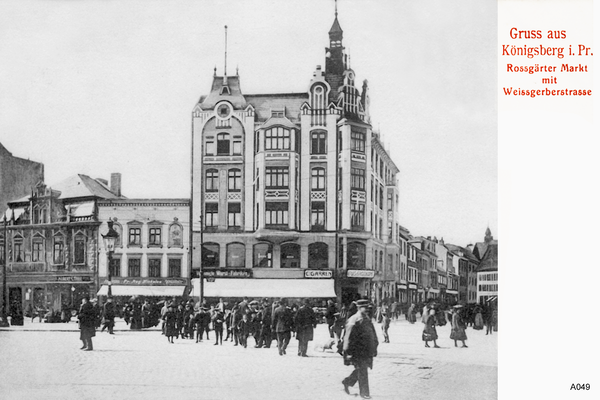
<point>44,361</point>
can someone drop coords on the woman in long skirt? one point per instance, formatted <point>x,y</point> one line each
<point>478,325</point>
<point>429,332</point>
<point>170,324</point>
<point>458,327</point>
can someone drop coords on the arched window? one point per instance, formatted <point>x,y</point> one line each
<point>236,255</point>
<point>290,255</point>
<point>263,255</point>
<point>223,144</point>
<point>234,180</point>
<point>318,256</point>
<point>212,181</point>
<point>175,235</point>
<point>356,255</point>
<point>318,98</point>
<point>210,255</point>
<point>318,142</point>
<point>317,179</point>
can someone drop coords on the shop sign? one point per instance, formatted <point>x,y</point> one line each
<point>318,273</point>
<point>360,273</point>
<point>412,286</point>
<point>147,281</point>
<point>228,273</point>
<point>73,278</point>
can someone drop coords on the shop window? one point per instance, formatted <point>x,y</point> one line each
<point>154,265</point>
<point>290,255</point>
<point>174,267</point>
<point>356,255</point>
<point>236,255</point>
<point>134,268</point>
<point>210,255</point>
<point>263,255</point>
<point>212,180</point>
<point>318,256</point>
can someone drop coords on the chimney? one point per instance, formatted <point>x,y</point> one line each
<point>115,183</point>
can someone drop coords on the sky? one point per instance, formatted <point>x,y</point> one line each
<point>98,87</point>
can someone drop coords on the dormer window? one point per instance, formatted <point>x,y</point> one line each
<point>277,113</point>
<point>225,90</point>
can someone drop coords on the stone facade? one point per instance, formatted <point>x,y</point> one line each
<point>17,176</point>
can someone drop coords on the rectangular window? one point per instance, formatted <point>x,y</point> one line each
<point>357,142</point>
<point>390,201</point>
<point>277,139</point>
<point>237,147</point>
<point>381,196</point>
<point>2,251</point>
<point>210,148</point>
<point>58,256</point>
<point>234,180</point>
<point>134,268</point>
<point>276,213</point>
<point>135,236</point>
<point>357,178</point>
<point>154,267</point>
<point>18,253</point>
<point>317,145</point>
<point>277,177</point>
<point>155,236</point>
<point>174,267</point>
<point>212,180</point>
<point>115,266</point>
<point>79,250</point>
<point>317,215</point>
<point>37,253</point>
<point>212,214</point>
<point>234,215</point>
<point>357,215</point>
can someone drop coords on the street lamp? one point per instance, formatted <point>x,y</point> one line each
<point>4,322</point>
<point>110,239</point>
<point>201,260</point>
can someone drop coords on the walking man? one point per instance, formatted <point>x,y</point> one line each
<point>360,346</point>
<point>282,325</point>
<point>109,315</point>
<point>87,323</point>
<point>304,321</point>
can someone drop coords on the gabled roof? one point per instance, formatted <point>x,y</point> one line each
<point>264,103</point>
<point>489,261</point>
<point>77,186</point>
<point>234,96</point>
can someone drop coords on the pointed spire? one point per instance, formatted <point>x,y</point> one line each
<point>215,73</point>
<point>336,9</point>
<point>335,33</point>
<point>225,67</point>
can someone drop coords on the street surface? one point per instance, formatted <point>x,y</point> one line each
<point>43,361</point>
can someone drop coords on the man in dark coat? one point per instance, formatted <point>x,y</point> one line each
<point>87,323</point>
<point>282,325</point>
<point>265,317</point>
<point>304,321</point>
<point>360,346</point>
<point>108,314</point>
<point>330,316</point>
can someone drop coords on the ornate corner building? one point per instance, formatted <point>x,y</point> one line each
<point>293,194</point>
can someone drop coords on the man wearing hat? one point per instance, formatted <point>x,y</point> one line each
<point>282,325</point>
<point>360,346</point>
<point>87,323</point>
<point>264,317</point>
<point>108,314</point>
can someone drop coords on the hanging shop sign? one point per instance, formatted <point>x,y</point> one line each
<point>318,273</point>
<point>360,273</point>
<point>73,278</point>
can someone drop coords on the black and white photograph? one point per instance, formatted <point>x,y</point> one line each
<point>260,199</point>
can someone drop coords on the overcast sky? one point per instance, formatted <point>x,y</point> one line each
<point>100,87</point>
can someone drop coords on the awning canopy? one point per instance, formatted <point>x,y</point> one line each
<point>82,209</point>
<point>227,287</point>
<point>134,290</point>
<point>18,212</point>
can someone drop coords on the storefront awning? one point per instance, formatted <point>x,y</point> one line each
<point>265,288</point>
<point>134,290</point>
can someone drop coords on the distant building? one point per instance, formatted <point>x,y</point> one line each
<point>17,176</point>
<point>487,272</point>
<point>52,241</point>
<point>151,256</point>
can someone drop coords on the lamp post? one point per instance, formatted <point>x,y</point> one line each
<point>201,260</point>
<point>4,322</point>
<point>110,240</point>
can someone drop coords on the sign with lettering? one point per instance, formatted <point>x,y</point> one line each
<point>360,273</point>
<point>148,281</point>
<point>73,278</point>
<point>318,273</point>
<point>228,273</point>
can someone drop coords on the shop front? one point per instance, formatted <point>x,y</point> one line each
<point>356,284</point>
<point>145,287</point>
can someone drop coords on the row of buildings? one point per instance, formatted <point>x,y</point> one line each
<point>292,194</point>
